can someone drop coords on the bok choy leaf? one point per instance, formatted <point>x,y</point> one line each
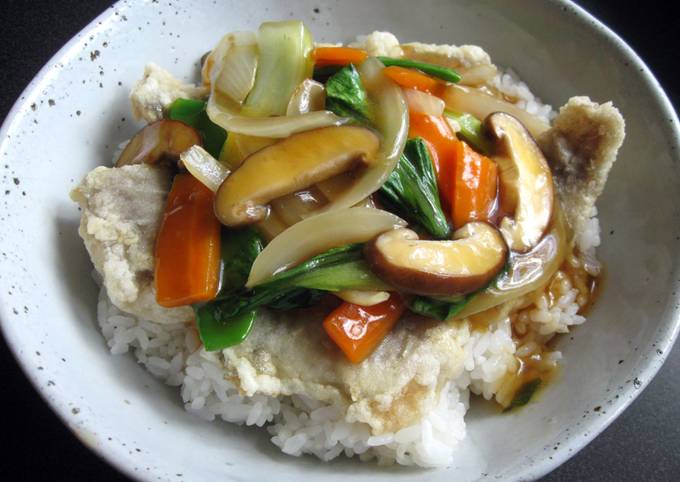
<point>411,190</point>
<point>346,96</point>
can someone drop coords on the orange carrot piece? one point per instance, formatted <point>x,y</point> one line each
<point>358,330</point>
<point>338,56</point>
<point>476,186</point>
<point>413,79</point>
<point>442,144</point>
<point>188,245</point>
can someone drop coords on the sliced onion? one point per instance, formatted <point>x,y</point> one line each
<point>478,74</point>
<point>237,76</point>
<point>225,111</point>
<point>204,167</point>
<point>480,105</point>
<point>276,127</point>
<point>392,122</point>
<point>231,39</point>
<point>317,234</point>
<point>308,97</point>
<point>423,103</point>
<point>362,298</point>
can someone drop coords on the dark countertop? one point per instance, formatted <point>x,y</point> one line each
<point>642,444</point>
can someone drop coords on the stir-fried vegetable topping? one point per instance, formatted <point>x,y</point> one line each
<point>346,96</point>
<point>289,168</point>
<point>411,190</point>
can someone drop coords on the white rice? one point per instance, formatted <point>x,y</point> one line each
<point>509,83</point>
<point>300,425</point>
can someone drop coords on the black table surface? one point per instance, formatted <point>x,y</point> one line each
<point>642,444</point>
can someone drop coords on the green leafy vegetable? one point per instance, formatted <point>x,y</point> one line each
<point>192,112</point>
<point>437,309</point>
<point>346,96</point>
<point>216,334</point>
<point>411,190</point>
<point>471,131</point>
<point>337,269</point>
<point>239,250</point>
<point>524,394</point>
<point>438,71</point>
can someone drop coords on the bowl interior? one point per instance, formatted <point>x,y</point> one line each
<point>75,113</point>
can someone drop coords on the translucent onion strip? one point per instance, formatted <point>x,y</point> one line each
<point>204,167</point>
<point>317,234</point>
<point>477,74</point>
<point>423,103</point>
<point>309,96</point>
<point>238,75</point>
<point>225,111</point>
<point>362,298</point>
<point>391,121</point>
<point>480,105</point>
<point>223,46</point>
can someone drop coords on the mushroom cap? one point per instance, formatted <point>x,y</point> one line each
<point>438,268</point>
<point>526,182</point>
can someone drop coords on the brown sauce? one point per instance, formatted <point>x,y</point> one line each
<point>536,368</point>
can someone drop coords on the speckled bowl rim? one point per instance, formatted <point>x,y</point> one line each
<point>667,333</point>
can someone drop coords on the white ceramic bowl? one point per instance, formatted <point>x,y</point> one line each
<point>70,119</point>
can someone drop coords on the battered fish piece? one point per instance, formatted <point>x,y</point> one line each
<point>122,209</point>
<point>153,94</point>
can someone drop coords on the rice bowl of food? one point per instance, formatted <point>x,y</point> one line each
<point>360,248</point>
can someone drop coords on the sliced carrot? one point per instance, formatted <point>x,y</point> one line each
<point>188,245</point>
<point>338,56</point>
<point>442,143</point>
<point>476,186</point>
<point>358,330</point>
<point>413,79</point>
